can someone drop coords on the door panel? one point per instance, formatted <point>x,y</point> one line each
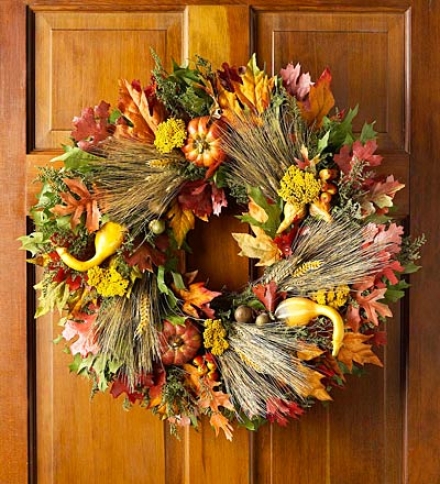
<point>77,52</point>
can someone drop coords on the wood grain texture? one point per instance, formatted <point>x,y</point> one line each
<point>13,364</point>
<point>423,464</point>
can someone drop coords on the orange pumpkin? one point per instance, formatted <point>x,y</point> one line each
<point>203,145</point>
<point>179,343</point>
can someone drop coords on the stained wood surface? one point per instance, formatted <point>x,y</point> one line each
<point>383,428</point>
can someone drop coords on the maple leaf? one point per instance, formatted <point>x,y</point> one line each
<point>86,203</point>
<point>144,256</point>
<point>196,296</point>
<point>92,126</point>
<point>144,116</point>
<point>181,222</point>
<point>319,102</point>
<point>196,196</point>
<point>356,350</point>
<point>267,294</point>
<point>260,247</point>
<point>344,159</point>
<point>313,387</point>
<point>296,84</point>
<point>218,199</point>
<point>284,241</point>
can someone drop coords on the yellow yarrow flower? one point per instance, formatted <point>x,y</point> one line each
<point>335,298</point>
<point>298,186</point>
<point>108,282</point>
<point>169,135</point>
<point>214,337</point>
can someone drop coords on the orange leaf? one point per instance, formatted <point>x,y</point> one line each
<point>314,387</point>
<point>196,296</point>
<point>219,421</point>
<point>355,349</point>
<point>320,100</point>
<point>134,105</point>
<point>309,351</point>
<point>254,92</point>
<point>181,221</point>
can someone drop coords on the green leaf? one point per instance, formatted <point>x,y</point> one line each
<point>411,268</point>
<point>32,242</point>
<point>76,159</point>
<point>272,210</point>
<point>368,132</point>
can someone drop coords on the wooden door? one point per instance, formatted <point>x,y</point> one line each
<point>57,57</point>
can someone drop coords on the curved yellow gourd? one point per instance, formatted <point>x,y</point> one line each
<point>299,311</point>
<point>108,239</point>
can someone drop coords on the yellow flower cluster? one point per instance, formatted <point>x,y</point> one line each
<point>108,282</point>
<point>214,337</point>
<point>169,135</point>
<point>298,186</point>
<point>335,298</point>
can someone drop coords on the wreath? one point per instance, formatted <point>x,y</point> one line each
<point>111,227</point>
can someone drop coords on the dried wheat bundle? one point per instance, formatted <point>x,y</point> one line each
<point>127,329</point>
<point>135,182</point>
<point>261,152</point>
<point>326,255</point>
<point>261,365</point>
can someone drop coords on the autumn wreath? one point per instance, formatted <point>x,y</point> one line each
<point>111,226</point>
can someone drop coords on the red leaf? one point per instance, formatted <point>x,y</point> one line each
<point>145,256</point>
<point>92,126</point>
<point>267,294</point>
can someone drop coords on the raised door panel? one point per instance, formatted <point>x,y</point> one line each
<point>79,56</point>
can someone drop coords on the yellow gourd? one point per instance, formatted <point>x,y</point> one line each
<point>299,311</point>
<point>108,239</point>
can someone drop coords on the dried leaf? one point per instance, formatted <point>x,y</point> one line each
<point>134,105</point>
<point>181,221</point>
<point>315,388</point>
<point>319,102</point>
<point>355,349</point>
<point>260,247</point>
<point>197,296</point>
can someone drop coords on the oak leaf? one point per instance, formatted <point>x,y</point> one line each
<point>181,221</point>
<point>85,203</point>
<point>355,349</point>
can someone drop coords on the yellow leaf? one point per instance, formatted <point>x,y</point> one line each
<point>253,94</point>
<point>261,247</point>
<point>181,221</point>
<point>257,212</point>
<point>355,349</point>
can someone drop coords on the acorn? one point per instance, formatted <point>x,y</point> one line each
<point>157,226</point>
<point>243,314</point>
<point>262,319</point>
